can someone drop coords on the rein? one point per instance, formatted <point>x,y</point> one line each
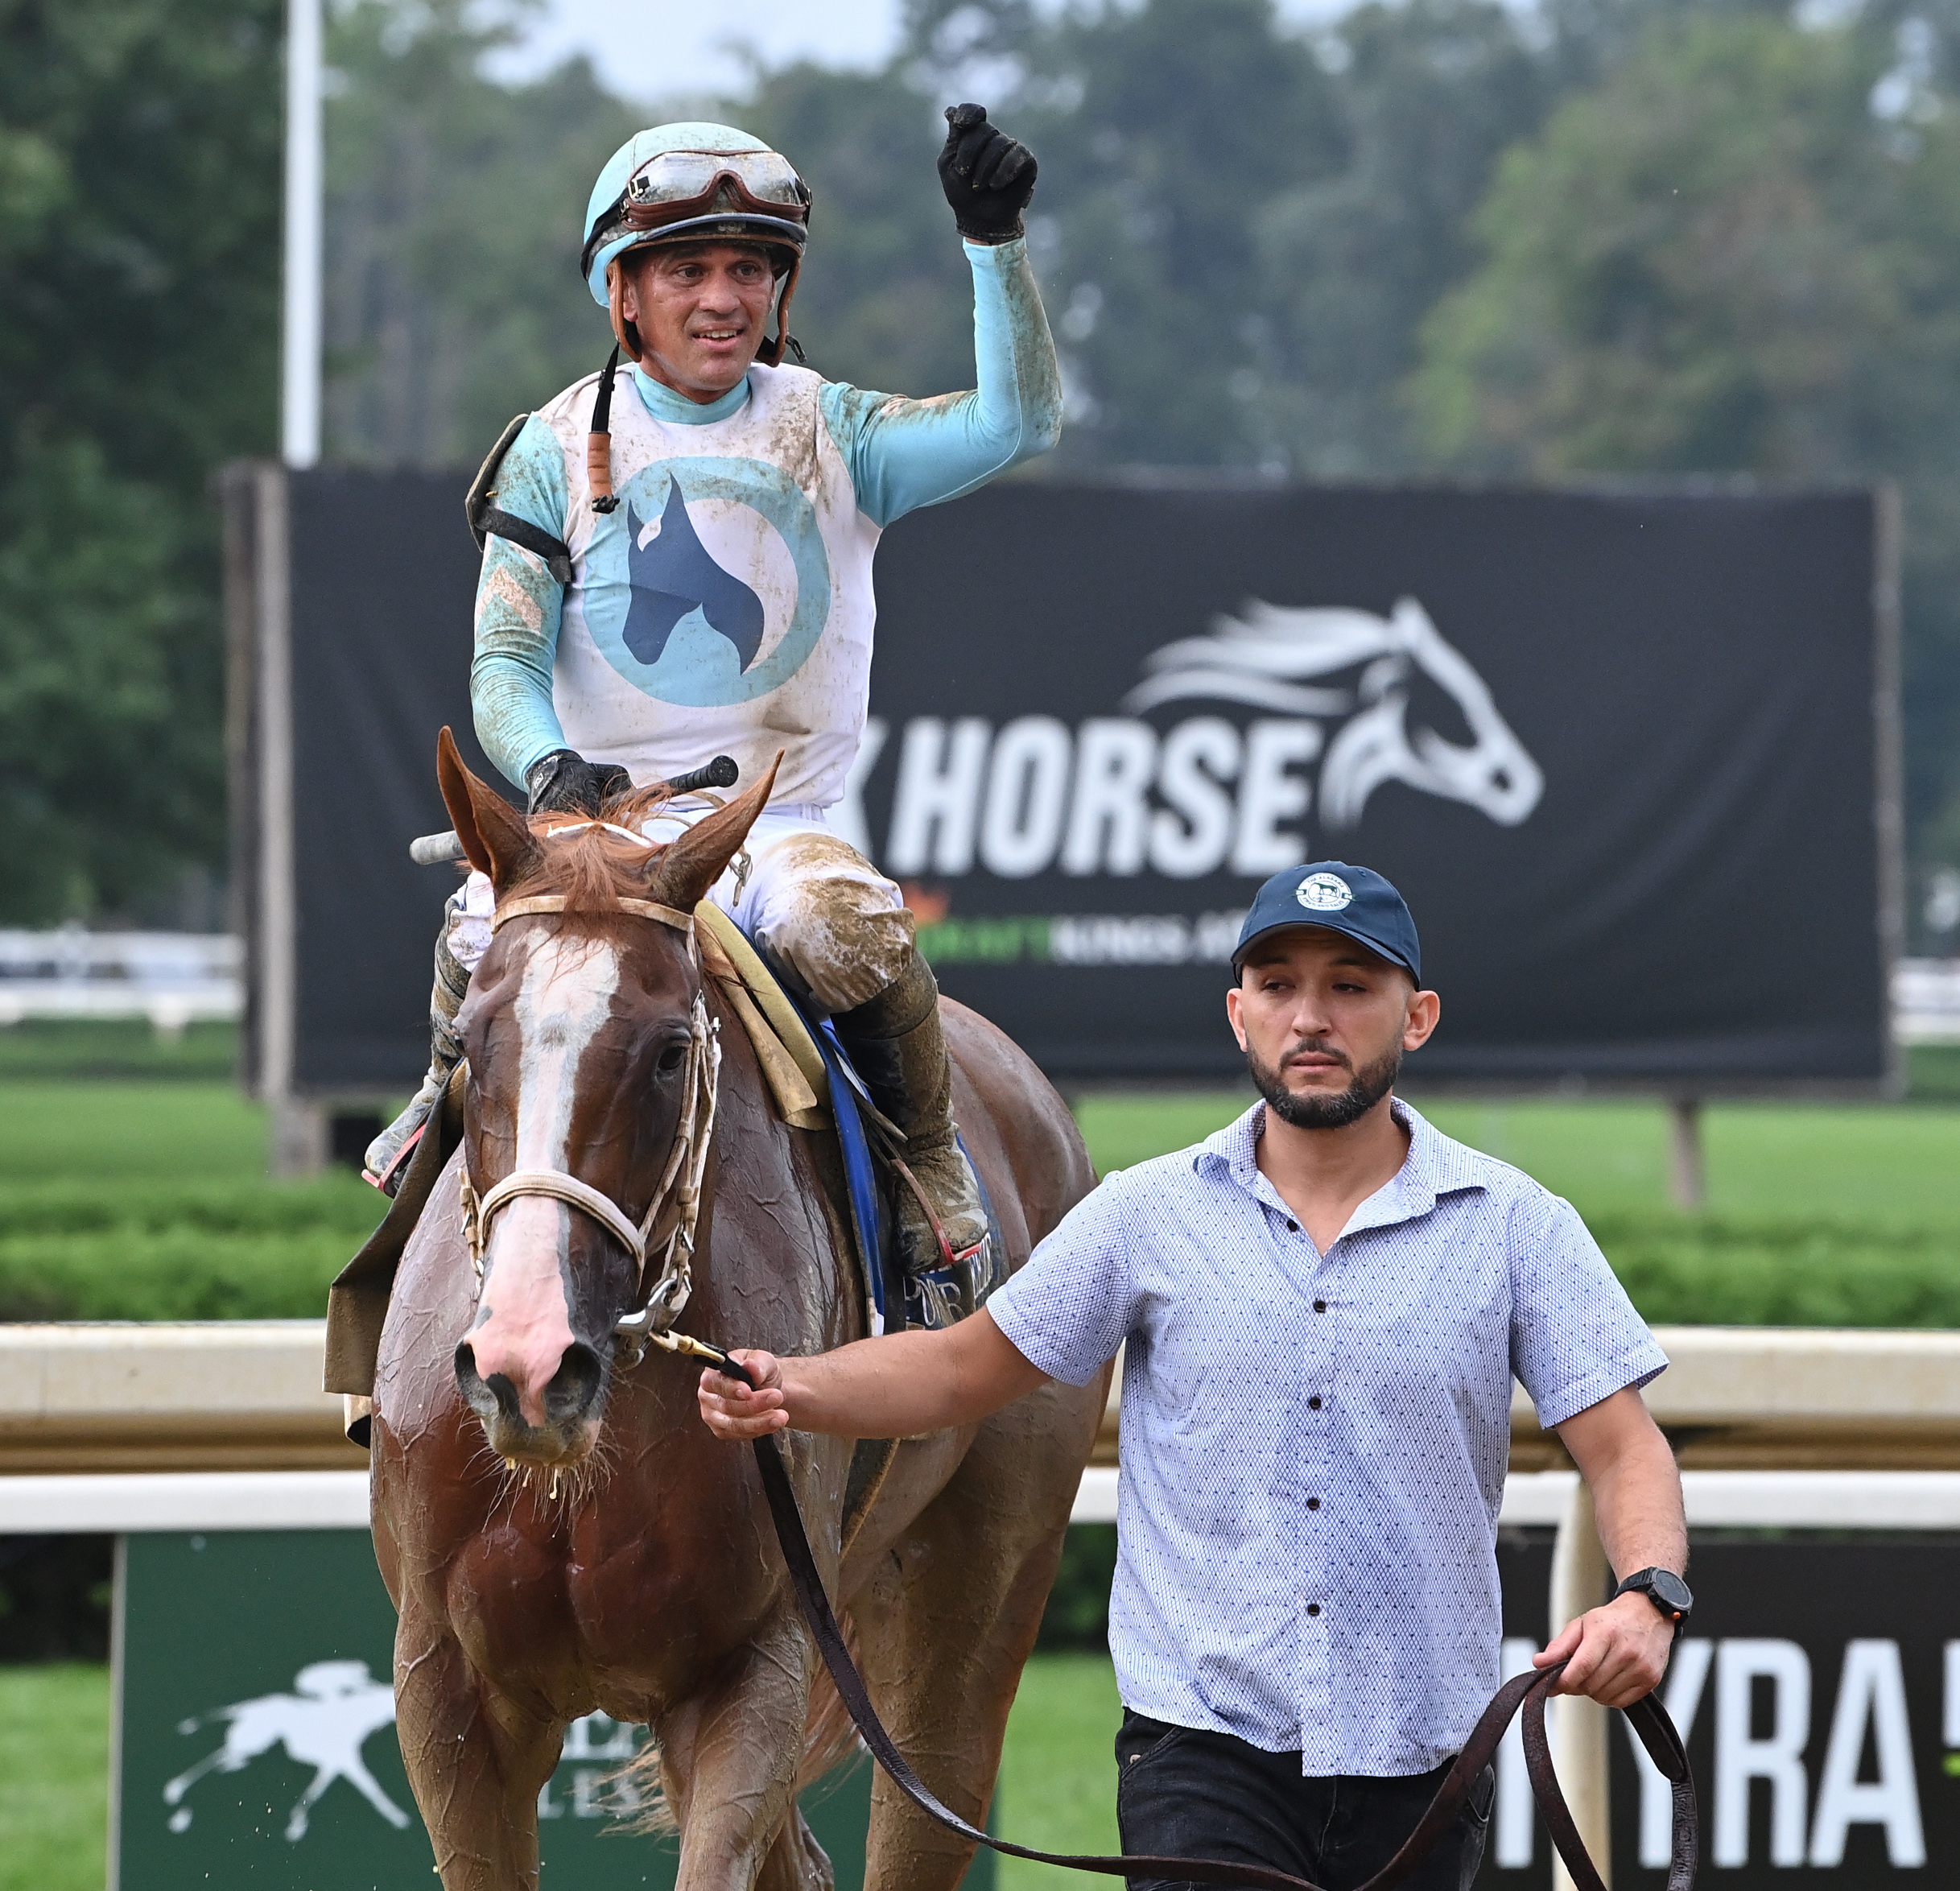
<point>1528,1691</point>
<point>665,1234</point>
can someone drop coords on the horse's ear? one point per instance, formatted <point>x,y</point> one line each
<point>685,868</point>
<point>497,840</point>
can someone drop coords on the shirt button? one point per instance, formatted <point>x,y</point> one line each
<point>1313,1608</point>
<point>1312,1405</point>
<point>1320,1307</point>
<point>1293,1227</point>
<point>1313,1503</point>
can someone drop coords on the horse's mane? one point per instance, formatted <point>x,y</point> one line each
<point>592,869</point>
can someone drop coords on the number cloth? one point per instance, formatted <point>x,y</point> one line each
<point>1313,1447</point>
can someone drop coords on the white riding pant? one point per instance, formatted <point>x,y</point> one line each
<point>815,903</point>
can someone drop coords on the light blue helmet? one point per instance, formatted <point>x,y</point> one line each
<point>717,181</point>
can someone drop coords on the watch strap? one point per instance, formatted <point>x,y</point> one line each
<point>1641,1583</point>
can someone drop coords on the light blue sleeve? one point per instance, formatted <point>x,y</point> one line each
<point>903,454</point>
<point>517,605</point>
<point>1575,1338</point>
<point>1073,1305</point>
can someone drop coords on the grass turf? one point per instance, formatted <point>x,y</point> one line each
<point>1058,1790</point>
<point>54,1776</point>
<point>146,1198</point>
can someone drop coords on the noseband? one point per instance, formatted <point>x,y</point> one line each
<point>665,1233</point>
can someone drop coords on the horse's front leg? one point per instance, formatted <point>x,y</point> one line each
<point>476,1761</point>
<point>728,1759</point>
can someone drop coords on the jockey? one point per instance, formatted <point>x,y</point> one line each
<point>679,567</point>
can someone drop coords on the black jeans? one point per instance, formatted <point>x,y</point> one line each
<point>1185,1792</point>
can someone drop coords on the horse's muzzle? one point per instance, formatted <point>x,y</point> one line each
<point>571,1401</point>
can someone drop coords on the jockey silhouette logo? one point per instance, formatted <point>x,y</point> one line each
<point>324,1724</point>
<point>710,585</point>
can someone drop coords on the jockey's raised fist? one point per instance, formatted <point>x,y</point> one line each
<point>988,177</point>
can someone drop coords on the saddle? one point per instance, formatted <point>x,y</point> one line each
<point>813,1087</point>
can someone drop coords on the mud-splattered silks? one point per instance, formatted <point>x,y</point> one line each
<point>726,606</point>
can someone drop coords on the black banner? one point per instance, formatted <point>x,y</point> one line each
<point>1618,752</point>
<point>1623,753</point>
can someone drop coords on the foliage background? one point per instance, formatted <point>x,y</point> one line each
<point>1435,237</point>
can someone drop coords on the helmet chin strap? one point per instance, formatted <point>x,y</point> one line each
<point>599,442</point>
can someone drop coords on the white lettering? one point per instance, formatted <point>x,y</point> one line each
<point>596,1736</point>
<point>1778,1757</point>
<point>1143,939</point>
<point>937,803</point>
<point>1687,1676</point>
<point>1268,794</point>
<point>1514,1816</point>
<point>1109,825</point>
<point>846,818</point>
<point>1189,838</point>
<point>1027,797</point>
<point>1871,1693</point>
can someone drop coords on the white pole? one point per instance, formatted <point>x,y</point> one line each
<point>299,391</point>
<point>1577,1726</point>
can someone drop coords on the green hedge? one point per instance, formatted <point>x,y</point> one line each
<point>160,1251</point>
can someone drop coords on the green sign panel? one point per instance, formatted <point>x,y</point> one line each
<point>254,1740</point>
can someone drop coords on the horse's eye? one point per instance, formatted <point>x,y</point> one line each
<point>671,1060</point>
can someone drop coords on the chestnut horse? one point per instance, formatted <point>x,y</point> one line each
<point>558,1531</point>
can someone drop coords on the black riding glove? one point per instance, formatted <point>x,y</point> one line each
<point>988,177</point>
<point>565,782</point>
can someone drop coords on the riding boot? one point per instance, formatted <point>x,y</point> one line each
<point>900,1051</point>
<point>387,1155</point>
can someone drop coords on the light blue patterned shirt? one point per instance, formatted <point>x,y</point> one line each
<point>1313,1447</point>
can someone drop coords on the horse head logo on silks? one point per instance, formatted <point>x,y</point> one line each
<point>673,575</point>
<point>1267,657</point>
<point>322,1723</point>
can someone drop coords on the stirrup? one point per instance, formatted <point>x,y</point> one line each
<point>947,1257</point>
<point>389,1179</point>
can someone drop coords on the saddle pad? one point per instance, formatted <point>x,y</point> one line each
<point>791,1062</point>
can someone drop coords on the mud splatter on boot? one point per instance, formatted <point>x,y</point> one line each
<point>899,1050</point>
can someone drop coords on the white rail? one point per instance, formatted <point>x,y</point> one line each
<point>171,978</point>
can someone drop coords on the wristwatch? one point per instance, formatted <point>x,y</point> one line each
<point>1664,1589</point>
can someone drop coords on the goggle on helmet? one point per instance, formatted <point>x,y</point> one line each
<point>698,195</point>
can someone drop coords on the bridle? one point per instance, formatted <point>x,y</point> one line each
<point>664,1234</point>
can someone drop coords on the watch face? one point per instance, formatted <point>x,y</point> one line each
<point>1670,1589</point>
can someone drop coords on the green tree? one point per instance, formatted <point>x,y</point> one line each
<point>139,202</point>
<point>1724,259</point>
<point>453,216</point>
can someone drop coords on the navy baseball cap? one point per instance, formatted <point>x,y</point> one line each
<point>1356,901</point>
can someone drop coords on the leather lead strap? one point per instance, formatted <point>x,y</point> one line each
<point>1529,1691</point>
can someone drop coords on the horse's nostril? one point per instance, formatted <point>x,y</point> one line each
<point>486,1397</point>
<point>574,1385</point>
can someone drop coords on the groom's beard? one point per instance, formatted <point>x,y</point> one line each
<point>1366,1087</point>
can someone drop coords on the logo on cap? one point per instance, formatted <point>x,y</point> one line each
<point>1324,892</point>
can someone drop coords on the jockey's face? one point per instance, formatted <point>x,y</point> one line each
<point>701,310</point>
<point>1319,1012</point>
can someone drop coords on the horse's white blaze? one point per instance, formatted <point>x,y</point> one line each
<point>563,1001</point>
